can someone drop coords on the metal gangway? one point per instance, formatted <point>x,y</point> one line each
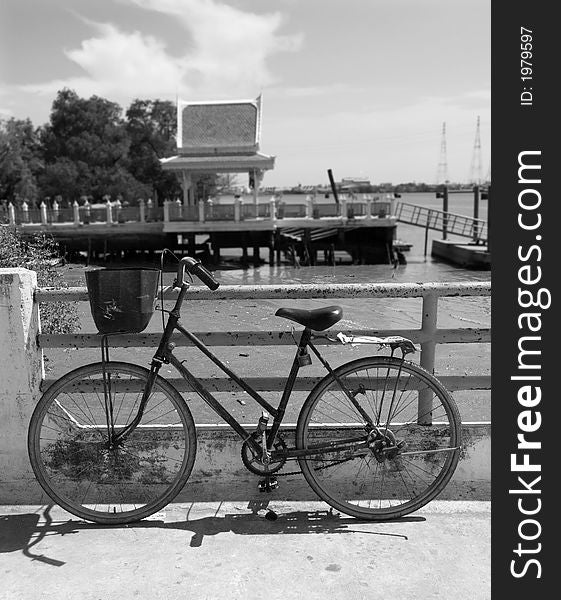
<point>439,220</point>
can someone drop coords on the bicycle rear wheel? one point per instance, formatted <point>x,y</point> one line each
<point>390,471</point>
<point>72,457</point>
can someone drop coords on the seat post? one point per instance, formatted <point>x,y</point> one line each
<point>305,338</point>
<point>289,385</point>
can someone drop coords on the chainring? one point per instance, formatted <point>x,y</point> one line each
<point>253,463</point>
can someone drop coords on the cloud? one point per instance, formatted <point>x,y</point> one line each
<point>400,143</point>
<point>116,62</point>
<point>227,55</point>
<point>5,112</point>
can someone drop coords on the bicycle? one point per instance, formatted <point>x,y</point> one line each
<point>376,438</point>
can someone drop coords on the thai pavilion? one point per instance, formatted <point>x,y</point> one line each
<point>218,137</point>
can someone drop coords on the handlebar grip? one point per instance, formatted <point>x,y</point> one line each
<point>205,276</point>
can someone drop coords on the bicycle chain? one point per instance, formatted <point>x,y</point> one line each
<point>338,462</point>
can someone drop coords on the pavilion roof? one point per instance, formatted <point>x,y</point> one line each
<point>219,163</point>
<point>211,128</point>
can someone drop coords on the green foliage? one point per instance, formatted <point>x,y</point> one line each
<point>85,148</point>
<point>89,149</point>
<point>20,160</point>
<point>40,254</point>
<point>151,125</point>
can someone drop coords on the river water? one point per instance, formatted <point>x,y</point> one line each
<point>379,314</point>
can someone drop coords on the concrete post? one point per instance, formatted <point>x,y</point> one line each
<point>445,211</point>
<point>343,207</point>
<point>118,209</point>
<point>166,211</point>
<point>309,207</point>
<point>19,389</point>
<point>109,212</point>
<point>142,210</point>
<point>476,196</point>
<point>428,327</point>
<point>12,214</point>
<point>76,212</point>
<point>55,212</point>
<point>43,208</point>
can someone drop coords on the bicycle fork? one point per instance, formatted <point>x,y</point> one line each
<point>119,438</point>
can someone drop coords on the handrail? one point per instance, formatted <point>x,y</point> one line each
<point>427,336</point>
<point>299,291</point>
<point>439,220</point>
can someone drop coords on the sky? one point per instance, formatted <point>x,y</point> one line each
<point>361,87</point>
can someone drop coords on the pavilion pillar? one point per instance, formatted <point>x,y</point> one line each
<point>186,185</point>
<point>257,179</point>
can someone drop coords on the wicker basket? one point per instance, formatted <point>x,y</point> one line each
<point>122,300</point>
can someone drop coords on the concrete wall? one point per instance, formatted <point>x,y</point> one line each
<point>21,371</point>
<point>218,474</point>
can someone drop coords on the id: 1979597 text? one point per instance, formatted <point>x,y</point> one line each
<point>526,67</point>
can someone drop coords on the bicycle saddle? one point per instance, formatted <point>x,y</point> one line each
<point>317,319</point>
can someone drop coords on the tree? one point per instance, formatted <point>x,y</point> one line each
<point>20,161</point>
<point>86,146</point>
<point>151,125</point>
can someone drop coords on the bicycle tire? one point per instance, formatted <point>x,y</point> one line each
<point>354,481</point>
<point>69,449</point>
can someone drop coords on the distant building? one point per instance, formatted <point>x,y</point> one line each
<point>349,183</point>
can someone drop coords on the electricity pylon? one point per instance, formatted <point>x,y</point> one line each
<point>476,172</point>
<point>442,173</point>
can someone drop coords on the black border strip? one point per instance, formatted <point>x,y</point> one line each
<point>523,120</point>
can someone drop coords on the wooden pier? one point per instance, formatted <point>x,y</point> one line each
<point>468,256</point>
<point>364,228</point>
<point>475,254</point>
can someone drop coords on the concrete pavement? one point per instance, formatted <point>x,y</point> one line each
<point>214,550</point>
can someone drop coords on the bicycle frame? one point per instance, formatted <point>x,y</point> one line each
<point>164,354</point>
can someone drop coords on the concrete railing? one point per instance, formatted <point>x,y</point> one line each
<point>428,335</point>
<point>114,212</point>
<point>22,344</point>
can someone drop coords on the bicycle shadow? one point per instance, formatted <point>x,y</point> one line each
<point>293,522</point>
<point>21,532</point>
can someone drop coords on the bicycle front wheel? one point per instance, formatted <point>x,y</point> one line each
<point>387,436</point>
<point>81,470</point>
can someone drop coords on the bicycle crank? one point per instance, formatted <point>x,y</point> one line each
<point>255,463</point>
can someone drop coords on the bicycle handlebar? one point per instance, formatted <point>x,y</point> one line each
<point>195,267</point>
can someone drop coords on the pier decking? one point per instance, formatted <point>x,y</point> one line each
<point>468,256</point>
<point>365,229</point>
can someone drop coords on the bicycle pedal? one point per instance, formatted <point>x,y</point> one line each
<point>268,485</point>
